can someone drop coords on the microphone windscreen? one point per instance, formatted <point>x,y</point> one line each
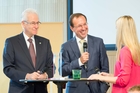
<point>85,45</point>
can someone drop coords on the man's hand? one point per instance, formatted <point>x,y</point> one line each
<point>36,76</point>
<point>84,57</point>
<point>42,75</point>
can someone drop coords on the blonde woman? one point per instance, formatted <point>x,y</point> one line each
<point>127,68</point>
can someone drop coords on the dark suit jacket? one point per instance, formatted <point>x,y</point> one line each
<point>17,63</point>
<point>97,59</point>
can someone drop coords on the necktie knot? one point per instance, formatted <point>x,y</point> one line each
<point>82,41</point>
<point>30,40</point>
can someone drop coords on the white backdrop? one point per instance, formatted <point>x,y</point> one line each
<point>102,14</point>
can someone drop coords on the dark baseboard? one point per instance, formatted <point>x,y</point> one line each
<point>110,47</point>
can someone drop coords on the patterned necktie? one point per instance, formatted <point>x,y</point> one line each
<point>32,52</point>
<point>81,46</point>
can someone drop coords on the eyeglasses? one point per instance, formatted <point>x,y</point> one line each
<point>33,23</point>
<point>80,26</point>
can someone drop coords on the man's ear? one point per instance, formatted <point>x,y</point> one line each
<point>72,28</point>
<point>22,24</point>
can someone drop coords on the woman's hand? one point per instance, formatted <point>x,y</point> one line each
<point>106,74</point>
<point>94,77</point>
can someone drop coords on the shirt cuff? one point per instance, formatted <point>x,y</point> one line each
<point>80,63</point>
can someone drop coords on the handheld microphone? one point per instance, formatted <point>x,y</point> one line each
<point>85,50</point>
<point>43,70</point>
<point>98,72</point>
<point>85,46</point>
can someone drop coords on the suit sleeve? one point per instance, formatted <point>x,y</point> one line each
<point>126,65</point>
<point>103,58</point>
<point>9,67</point>
<point>104,66</point>
<point>49,61</point>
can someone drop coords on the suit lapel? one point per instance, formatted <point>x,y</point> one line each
<point>38,50</point>
<point>75,47</point>
<point>24,47</point>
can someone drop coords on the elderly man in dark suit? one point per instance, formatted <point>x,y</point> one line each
<point>20,62</point>
<point>88,62</point>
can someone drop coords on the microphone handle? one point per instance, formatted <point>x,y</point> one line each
<point>43,70</point>
<point>85,64</point>
<point>85,49</point>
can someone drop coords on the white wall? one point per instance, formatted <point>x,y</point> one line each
<point>48,10</point>
<point>102,15</point>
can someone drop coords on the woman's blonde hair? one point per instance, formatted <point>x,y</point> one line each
<point>127,36</point>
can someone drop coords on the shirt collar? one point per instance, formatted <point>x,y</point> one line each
<point>78,39</point>
<point>26,37</point>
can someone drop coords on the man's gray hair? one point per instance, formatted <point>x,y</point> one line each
<point>26,12</point>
